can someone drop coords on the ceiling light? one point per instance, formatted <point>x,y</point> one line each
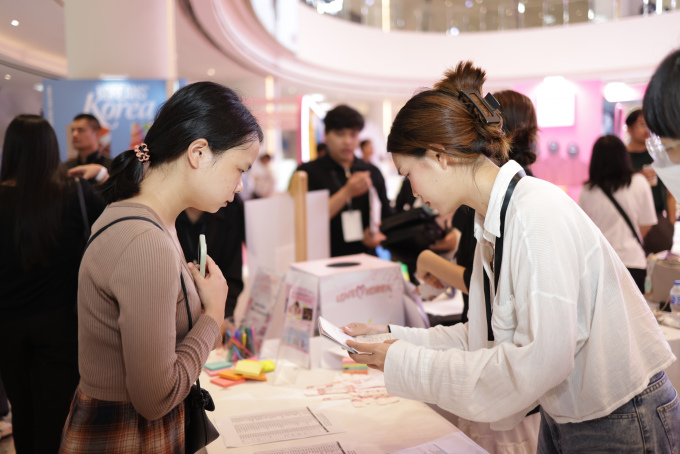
<point>39,87</point>
<point>620,92</point>
<point>211,71</point>
<point>8,76</point>
<point>15,23</point>
<point>468,3</point>
<point>521,8</point>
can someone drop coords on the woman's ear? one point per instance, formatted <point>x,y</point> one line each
<point>440,156</point>
<point>198,151</point>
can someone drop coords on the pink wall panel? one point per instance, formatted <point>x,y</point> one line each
<point>560,168</point>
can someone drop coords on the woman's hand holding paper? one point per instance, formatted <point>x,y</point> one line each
<point>364,329</point>
<point>373,355</point>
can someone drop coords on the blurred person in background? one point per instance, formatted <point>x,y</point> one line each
<point>321,150</point>
<point>42,235</point>
<point>85,131</point>
<point>661,106</point>
<point>5,422</point>
<point>611,175</point>
<point>520,126</point>
<point>366,150</point>
<point>262,177</point>
<point>224,235</point>
<point>349,180</point>
<point>660,237</point>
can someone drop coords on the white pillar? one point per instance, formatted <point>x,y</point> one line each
<point>132,38</point>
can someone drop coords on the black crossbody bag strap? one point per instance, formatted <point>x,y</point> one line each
<point>186,303</point>
<point>126,218</point>
<point>623,214</point>
<point>498,253</point>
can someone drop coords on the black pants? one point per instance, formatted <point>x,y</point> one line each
<point>639,277</point>
<point>39,368</point>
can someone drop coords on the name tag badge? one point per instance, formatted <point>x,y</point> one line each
<point>352,227</point>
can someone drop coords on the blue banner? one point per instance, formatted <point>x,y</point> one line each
<point>125,109</point>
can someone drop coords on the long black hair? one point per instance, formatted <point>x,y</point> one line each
<point>661,105</point>
<point>610,165</point>
<point>31,163</point>
<point>201,110</point>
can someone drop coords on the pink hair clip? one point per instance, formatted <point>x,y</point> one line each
<point>142,152</point>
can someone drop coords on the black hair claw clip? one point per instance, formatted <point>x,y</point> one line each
<point>486,106</point>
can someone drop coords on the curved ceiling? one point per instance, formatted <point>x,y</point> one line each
<point>337,55</point>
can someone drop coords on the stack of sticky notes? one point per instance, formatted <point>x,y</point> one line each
<point>246,369</point>
<point>350,367</point>
<point>213,368</point>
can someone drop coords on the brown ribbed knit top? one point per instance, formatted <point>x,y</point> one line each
<point>134,339</point>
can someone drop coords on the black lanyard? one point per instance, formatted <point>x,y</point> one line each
<point>498,254</point>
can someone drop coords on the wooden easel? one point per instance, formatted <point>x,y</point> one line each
<point>298,189</point>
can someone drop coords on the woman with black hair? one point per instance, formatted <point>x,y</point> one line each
<point>520,125</point>
<point>620,203</point>
<point>144,332</point>
<point>42,234</point>
<point>661,109</point>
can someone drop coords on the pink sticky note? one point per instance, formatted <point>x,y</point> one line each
<point>225,383</point>
<point>213,373</point>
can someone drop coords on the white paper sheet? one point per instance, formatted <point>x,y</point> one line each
<point>332,332</point>
<point>325,448</point>
<point>455,443</point>
<point>272,426</point>
<point>335,334</point>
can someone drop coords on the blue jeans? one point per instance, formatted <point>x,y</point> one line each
<point>648,423</point>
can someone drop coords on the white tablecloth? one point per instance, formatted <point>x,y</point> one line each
<point>371,429</point>
<point>672,335</point>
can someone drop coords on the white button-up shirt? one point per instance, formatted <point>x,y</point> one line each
<point>572,332</point>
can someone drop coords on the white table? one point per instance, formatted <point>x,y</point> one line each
<point>371,429</point>
<point>672,335</point>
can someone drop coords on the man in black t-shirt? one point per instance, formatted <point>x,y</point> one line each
<point>85,131</point>
<point>348,179</point>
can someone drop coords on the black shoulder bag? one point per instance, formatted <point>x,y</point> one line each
<point>623,214</point>
<point>198,430</point>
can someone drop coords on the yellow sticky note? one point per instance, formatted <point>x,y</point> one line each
<point>268,365</point>
<point>248,368</point>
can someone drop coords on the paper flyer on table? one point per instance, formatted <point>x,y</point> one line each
<point>324,448</point>
<point>455,443</point>
<point>263,295</point>
<point>298,322</point>
<point>272,426</point>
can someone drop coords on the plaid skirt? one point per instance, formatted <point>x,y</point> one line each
<point>97,426</point>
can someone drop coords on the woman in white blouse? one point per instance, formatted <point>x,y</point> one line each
<point>611,173</point>
<point>567,327</point>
